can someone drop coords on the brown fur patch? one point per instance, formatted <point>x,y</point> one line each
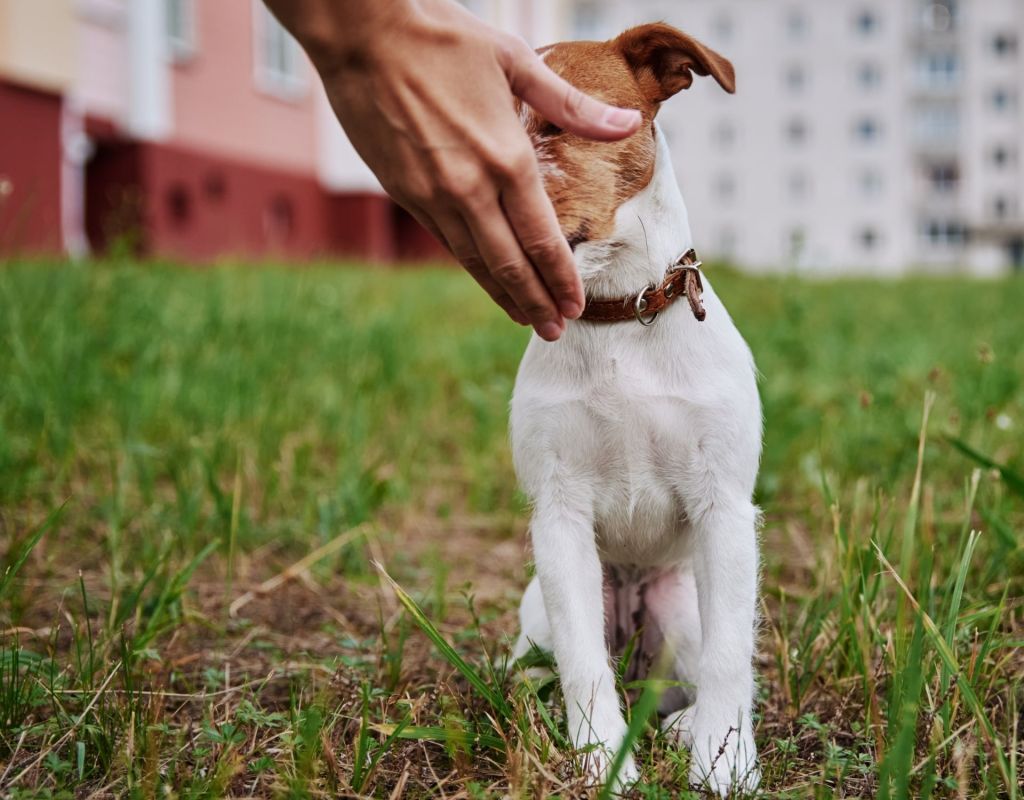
<point>587,181</point>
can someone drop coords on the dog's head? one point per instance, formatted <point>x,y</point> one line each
<point>641,68</point>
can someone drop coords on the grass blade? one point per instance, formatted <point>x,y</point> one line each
<point>19,560</point>
<point>1013,480</point>
<point>442,735</point>
<point>949,659</point>
<point>494,698</point>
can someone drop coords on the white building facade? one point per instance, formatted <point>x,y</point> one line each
<point>866,136</point>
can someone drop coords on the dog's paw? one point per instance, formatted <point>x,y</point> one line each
<point>677,726</point>
<point>597,764</point>
<point>597,740</point>
<point>723,758</point>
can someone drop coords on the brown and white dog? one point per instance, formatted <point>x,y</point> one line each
<point>638,444</point>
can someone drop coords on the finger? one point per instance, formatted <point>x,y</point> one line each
<point>452,232</point>
<point>560,102</point>
<point>461,244</point>
<point>533,219</point>
<point>508,265</point>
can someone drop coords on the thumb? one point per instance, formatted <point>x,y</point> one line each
<point>558,101</point>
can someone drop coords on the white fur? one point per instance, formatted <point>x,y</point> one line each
<point>640,446</point>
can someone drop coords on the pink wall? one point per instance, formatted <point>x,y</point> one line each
<point>218,108</point>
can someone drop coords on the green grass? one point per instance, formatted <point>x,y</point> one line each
<point>199,468</point>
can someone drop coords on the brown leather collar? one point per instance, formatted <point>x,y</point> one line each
<point>682,278</point>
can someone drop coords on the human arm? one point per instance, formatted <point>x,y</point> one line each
<point>424,91</point>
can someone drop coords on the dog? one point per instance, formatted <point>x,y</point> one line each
<point>637,435</point>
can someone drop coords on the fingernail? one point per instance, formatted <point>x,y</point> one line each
<point>571,309</point>
<point>621,118</point>
<point>549,331</point>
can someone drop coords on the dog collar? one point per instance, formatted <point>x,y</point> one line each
<point>682,278</point>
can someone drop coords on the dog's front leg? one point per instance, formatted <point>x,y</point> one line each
<point>718,728</point>
<point>570,576</point>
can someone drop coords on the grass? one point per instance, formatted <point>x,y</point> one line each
<point>199,468</point>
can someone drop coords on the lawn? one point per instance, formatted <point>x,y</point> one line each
<point>199,469</point>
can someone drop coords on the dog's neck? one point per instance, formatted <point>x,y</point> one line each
<point>652,230</point>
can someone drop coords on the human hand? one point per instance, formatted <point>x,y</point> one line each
<point>424,91</point>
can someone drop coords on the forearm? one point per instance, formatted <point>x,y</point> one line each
<point>334,32</point>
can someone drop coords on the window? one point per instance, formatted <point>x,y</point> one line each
<point>938,70</point>
<point>943,178</point>
<point>587,20</point>
<point>869,76</point>
<point>870,182</point>
<point>796,243</point>
<point>796,24</point>
<point>1002,99</point>
<point>1002,156</point>
<point>797,185</point>
<point>1004,45</point>
<point>795,77</point>
<point>939,17</point>
<point>943,233</point>
<point>796,131</point>
<point>727,242</point>
<point>866,23</point>
<point>867,238</point>
<point>180,29</point>
<point>1003,207</point>
<point>724,134</point>
<point>867,129</point>
<point>280,66</point>
<point>937,123</point>
<point>179,205</point>
<point>725,187</point>
<point>279,220</point>
<point>723,28</point>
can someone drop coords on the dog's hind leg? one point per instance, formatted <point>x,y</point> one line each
<point>534,628</point>
<point>671,601</point>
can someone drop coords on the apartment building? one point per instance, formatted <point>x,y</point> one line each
<point>188,129</point>
<point>865,136</point>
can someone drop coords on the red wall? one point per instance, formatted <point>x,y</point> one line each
<point>198,207</point>
<point>30,164</point>
<point>166,201</point>
<point>174,202</point>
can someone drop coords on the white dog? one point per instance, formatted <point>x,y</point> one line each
<point>637,435</point>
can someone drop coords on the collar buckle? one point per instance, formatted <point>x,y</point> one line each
<point>640,306</point>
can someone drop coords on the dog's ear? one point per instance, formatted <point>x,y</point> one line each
<point>664,60</point>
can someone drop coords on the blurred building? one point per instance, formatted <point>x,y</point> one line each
<point>189,129</point>
<point>865,136</point>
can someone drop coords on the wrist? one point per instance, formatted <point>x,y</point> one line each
<point>339,33</point>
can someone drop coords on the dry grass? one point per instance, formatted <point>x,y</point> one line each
<point>193,438</point>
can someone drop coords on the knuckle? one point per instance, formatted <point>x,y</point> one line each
<point>512,274</point>
<point>513,49</point>
<point>460,184</point>
<point>514,164</point>
<point>419,192</point>
<point>535,310</point>
<point>573,102</point>
<point>547,251</point>
<point>472,263</point>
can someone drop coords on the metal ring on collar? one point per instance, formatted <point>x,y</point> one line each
<point>640,306</point>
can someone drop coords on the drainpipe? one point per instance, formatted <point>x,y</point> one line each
<point>149,81</point>
<point>76,148</point>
